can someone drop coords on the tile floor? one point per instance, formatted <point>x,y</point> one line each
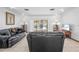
<point>22,46</point>
<point>71,46</point>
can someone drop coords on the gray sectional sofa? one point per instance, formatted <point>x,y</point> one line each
<point>45,41</point>
<point>9,38</point>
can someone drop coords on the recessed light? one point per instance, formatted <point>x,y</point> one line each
<point>52,9</point>
<point>26,9</point>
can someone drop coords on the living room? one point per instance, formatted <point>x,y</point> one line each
<point>40,19</point>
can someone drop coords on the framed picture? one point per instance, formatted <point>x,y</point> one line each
<point>10,18</point>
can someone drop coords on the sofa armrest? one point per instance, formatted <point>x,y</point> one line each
<point>4,37</point>
<point>29,42</point>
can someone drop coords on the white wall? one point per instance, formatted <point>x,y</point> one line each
<point>19,18</point>
<point>72,17</point>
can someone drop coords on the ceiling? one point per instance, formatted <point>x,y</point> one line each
<point>42,10</point>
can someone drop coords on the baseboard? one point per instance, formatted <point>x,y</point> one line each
<point>75,40</point>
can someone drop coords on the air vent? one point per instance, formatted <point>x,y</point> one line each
<point>26,9</point>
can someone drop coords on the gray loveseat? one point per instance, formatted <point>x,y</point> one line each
<point>45,41</point>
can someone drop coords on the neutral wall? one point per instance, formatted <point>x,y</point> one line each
<point>72,17</point>
<point>19,18</point>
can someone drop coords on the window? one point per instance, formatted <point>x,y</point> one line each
<point>40,25</point>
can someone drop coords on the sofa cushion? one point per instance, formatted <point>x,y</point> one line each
<point>13,31</point>
<point>5,32</point>
<point>19,30</point>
